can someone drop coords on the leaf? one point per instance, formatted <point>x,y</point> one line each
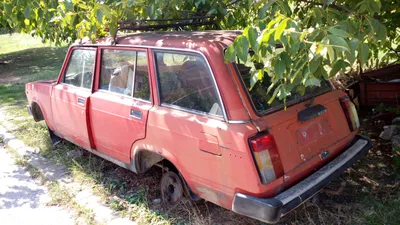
<point>260,75</point>
<point>252,36</point>
<point>280,67</point>
<point>312,81</point>
<point>27,12</point>
<point>68,5</point>
<point>230,53</point>
<point>263,10</point>
<point>363,53</point>
<point>99,15</point>
<point>338,43</point>
<point>106,9</point>
<point>301,90</point>
<point>337,66</point>
<point>265,36</point>
<point>351,56</point>
<point>298,70</point>
<point>315,63</point>
<point>331,53</point>
<point>379,29</point>
<point>338,32</point>
<point>242,47</point>
<point>279,30</point>
<point>274,94</point>
<point>284,7</point>
<point>253,79</point>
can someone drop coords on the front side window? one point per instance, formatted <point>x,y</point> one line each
<point>117,71</point>
<point>186,81</point>
<point>125,72</point>
<point>80,68</point>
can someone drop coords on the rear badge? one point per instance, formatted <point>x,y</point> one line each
<point>325,154</point>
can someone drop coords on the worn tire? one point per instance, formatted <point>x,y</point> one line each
<point>171,188</point>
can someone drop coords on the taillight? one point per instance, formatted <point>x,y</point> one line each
<point>267,158</point>
<point>351,113</point>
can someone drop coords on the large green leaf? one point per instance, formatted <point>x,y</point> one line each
<point>252,36</point>
<point>280,28</point>
<point>363,53</point>
<point>338,43</point>
<point>337,66</point>
<point>230,53</point>
<point>338,32</point>
<point>242,47</point>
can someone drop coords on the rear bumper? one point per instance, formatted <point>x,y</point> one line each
<point>270,210</point>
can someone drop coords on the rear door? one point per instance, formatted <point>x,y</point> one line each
<point>70,96</point>
<point>121,101</point>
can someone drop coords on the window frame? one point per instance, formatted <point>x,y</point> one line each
<point>135,49</point>
<point>67,64</point>
<point>222,117</point>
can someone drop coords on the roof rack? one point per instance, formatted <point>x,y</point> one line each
<point>160,24</point>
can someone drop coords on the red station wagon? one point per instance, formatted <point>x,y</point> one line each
<point>168,99</point>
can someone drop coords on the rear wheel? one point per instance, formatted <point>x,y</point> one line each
<point>171,188</point>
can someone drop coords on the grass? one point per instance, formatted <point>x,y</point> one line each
<point>361,203</point>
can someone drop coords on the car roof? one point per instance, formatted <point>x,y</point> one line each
<point>195,40</point>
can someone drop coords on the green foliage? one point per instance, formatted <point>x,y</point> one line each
<point>319,38</point>
<point>303,42</point>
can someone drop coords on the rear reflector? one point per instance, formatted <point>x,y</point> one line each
<point>351,113</point>
<point>267,158</point>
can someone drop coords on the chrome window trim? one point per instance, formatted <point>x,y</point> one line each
<point>238,121</point>
<point>122,95</point>
<point>177,51</point>
<point>191,111</point>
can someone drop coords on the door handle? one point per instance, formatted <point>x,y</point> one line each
<point>81,101</point>
<point>135,114</point>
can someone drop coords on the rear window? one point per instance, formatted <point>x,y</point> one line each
<point>260,97</point>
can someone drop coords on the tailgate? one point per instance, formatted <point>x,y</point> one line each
<point>304,143</point>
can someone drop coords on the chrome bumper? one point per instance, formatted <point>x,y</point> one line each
<point>270,210</point>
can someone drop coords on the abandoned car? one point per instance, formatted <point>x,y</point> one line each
<point>168,99</point>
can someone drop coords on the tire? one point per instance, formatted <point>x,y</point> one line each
<point>171,188</point>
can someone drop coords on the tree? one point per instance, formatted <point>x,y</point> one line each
<point>297,43</point>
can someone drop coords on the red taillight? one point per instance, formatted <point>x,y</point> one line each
<point>351,113</point>
<point>267,158</point>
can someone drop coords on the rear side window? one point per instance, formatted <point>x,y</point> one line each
<point>125,72</point>
<point>186,81</point>
<point>80,68</point>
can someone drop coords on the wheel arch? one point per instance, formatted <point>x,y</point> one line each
<point>37,112</point>
<point>144,159</point>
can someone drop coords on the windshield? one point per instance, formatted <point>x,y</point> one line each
<point>260,97</point>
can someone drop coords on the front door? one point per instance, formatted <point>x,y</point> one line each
<point>70,97</point>
<point>120,103</point>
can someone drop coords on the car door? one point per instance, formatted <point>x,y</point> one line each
<point>70,96</point>
<point>120,102</point>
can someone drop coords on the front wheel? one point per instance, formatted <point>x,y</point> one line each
<point>171,188</point>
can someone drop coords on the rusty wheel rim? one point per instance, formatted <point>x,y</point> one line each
<point>171,188</point>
